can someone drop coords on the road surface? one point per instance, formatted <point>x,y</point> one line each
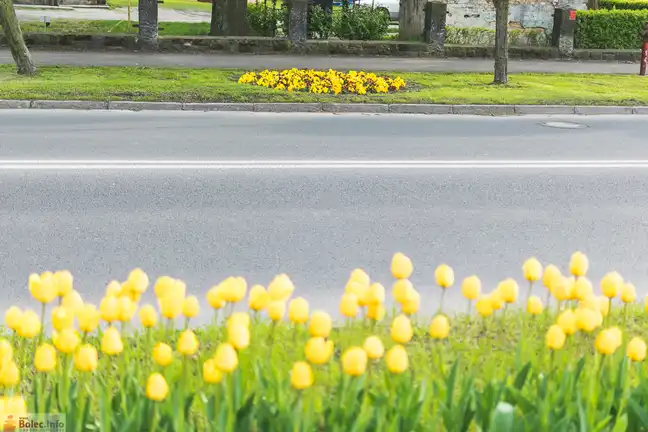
<point>202,196</point>
<point>249,61</point>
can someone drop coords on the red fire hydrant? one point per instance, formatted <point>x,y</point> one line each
<point>644,52</point>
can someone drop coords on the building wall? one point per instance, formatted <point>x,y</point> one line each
<point>523,13</point>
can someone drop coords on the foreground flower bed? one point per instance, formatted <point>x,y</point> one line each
<point>512,364</point>
<point>319,82</point>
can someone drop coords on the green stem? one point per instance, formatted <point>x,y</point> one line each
<point>443,291</point>
<point>42,329</point>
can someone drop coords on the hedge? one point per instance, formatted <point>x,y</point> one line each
<point>610,29</point>
<point>624,4</point>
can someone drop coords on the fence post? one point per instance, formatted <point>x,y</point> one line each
<point>563,31</point>
<point>644,52</point>
<point>434,26</point>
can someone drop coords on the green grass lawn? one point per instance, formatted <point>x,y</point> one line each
<point>102,27</point>
<point>169,4</point>
<point>220,85</point>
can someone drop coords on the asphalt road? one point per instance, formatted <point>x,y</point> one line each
<point>256,62</point>
<point>247,211</point>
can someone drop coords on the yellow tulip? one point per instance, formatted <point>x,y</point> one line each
<point>190,307</point>
<point>582,288</point>
<point>13,317</point>
<point>628,293</point>
<point>354,361</point>
<point>555,338</point>
<point>561,289</point>
<point>508,290</point>
<point>163,286</point>
<point>214,298</point>
<point>360,291</point>
<point>376,294</point>
<point>258,298</point>
<point>276,310</point>
<point>42,287</point>
<point>171,304</point>
<point>111,342</point>
<point>239,318</point>
<point>444,276</point>
<point>471,287</point>
<point>317,351</point>
<point>226,358</point>
<point>532,270</point>
<point>88,318</point>
<point>126,309</point>
<point>162,354</point>
<point>590,302</point>
<point>496,300</point>
<point>578,264</point>
<point>86,358</point>
<point>551,276</point>
<point>113,289</point>
<point>301,376</point>
<point>587,319</point>
<point>567,322</point>
<point>281,288</point>
<point>611,284</point>
<point>30,324</point>
<point>109,309</point>
<point>411,305</point>
<point>45,358</point>
<point>534,305</point>
<point>402,290</point>
<point>139,279</point>
<point>604,305</point>
<point>157,388</point>
<point>374,348</point>
<point>66,341</point>
<point>401,266</point>
<point>6,351</point>
<point>397,360</point>
<point>188,343</point>
<point>376,312</point>
<point>439,327</point>
<point>401,329</point>
<point>360,276</point>
<point>349,305</point>
<point>238,335</point>
<point>298,310</point>
<point>233,289</point>
<point>636,349</point>
<point>72,301</point>
<point>9,374</point>
<point>320,324</point>
<point>606,342</point>
<point>484,306</point>
<point>617,335</point>
<point>148,316</point>
<point>63,282</point>
<point>211,373</point>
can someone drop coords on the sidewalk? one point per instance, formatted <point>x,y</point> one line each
<point>246,61</point>
<point>164,14</point>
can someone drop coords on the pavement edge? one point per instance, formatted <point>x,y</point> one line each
<point>334,108</point>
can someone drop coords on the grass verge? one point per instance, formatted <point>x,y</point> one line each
<point>113,26</point>
<point>188,5</point>
<point>220,85</point>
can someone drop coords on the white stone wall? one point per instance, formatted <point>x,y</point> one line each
<point>523,13</point>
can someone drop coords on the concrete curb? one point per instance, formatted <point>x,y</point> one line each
<point>365,108</point>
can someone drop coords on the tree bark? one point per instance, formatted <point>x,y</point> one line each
<point>229,18</point>
<point>216,27</point>
<point>13,34</point>
<point>411,19</point>
<point>593,4</point>
<point>148,23</point>
<point>501,41</point>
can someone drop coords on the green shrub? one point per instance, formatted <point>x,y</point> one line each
<point>624,4</point>
<point>610,29</point>
<point>485,36</point>
<point>264,20</point>
<point>361,23</point>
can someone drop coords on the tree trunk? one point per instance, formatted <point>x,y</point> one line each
<point>13,34</point>
<point>216,27</point>
<point>411,19</point>
<point>148,23</point>
<point>592,4</point>
<point>501,41</point>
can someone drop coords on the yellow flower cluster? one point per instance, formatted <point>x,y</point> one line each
<point>321,82</point>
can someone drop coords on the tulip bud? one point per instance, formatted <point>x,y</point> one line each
<point>508,290</point>
<point>578,264</point>
<point>317,351</point>
<point>211,374</point>
<point>45,358</point>
<point>188,343</point>
<point>439,327</point>
<point>401,329</point>
<point>111,343</point>
<point>607,342</point>
<point>190,307</point>
<point>397,360</point>
<point>63,281</point>
<point>238,335</point>
<point>349,305</point>
<point>444,276</point>
<point>471,287</point>
<point>412,303</point>
<point>401,266</point>
<point>551,276</point>
<point>281,288</point>
<point>301,376</point>
<point>298,310</point>
<point>157,388</point>
<point>611,284</point>
<point>567,322</point>
<point>376,312</point>
<point>88,318</point>
<point>162,354</point>
<point>320,324</point>
<point>258,298</point>
<point>226,358</point>
<point>582,288</point>
<point>374,347</point>
<point>636,349</point>
<point>276,310</point>
<point>148,316</point>
<point>628,293</point>
<point>484,306</point>
<point>360,277</point>
<point>163,286</point>
<point>532,270</point>
<point>354,361</point>
<point>13,317</point>
<point>534,305</point>
<point>401,290</point>
<point>555,338</point>
<point>42,287</point>
<point>30,324</point>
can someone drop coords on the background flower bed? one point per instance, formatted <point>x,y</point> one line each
<point>512,364</point>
